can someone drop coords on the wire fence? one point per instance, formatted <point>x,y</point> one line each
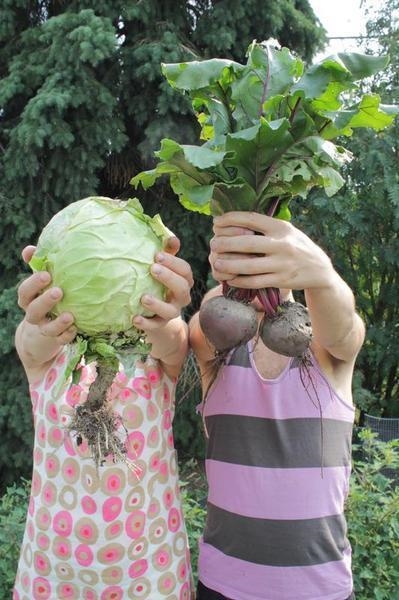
<point>387,429</point>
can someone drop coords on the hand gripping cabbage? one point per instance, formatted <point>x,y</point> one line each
<point>99,252</point>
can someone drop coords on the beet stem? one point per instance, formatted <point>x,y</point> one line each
<point>266,303</point>
<point>273,206</point>
<point>274,297</point>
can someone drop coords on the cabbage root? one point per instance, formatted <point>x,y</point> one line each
<point>97,423</point>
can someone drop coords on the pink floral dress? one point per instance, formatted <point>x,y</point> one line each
<point>111,533</point>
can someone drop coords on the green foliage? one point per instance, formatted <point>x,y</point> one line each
<point>373,526</point>
<point>15,425</point>
<point>83,106</point>
<point>13,507</point>
<point>193,492</point>
<point>372,509</point>
<point>359,228</point>
<point>266,128</point>
<point>187,423</point>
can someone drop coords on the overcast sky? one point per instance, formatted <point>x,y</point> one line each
<point>341,18</point>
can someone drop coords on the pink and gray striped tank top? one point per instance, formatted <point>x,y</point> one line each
<point>278,465</point>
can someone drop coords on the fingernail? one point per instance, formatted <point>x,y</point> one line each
<point>55,293</point>
<point>146,299</point>
<point>171,241</point>
<point>156,269</point>
<point>160,257</point>
<point>44,277</point>
<point>138,321</point>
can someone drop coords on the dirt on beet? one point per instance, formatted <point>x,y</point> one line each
<point>289,332</point>
<point>227,323</point>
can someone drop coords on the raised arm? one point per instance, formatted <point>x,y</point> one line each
<point>284,257</point>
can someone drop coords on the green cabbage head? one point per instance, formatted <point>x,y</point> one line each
<point>99,252</point>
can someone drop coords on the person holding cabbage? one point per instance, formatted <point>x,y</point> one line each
<point>112,528</point>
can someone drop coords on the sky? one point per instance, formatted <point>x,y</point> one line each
<point>341,18</point>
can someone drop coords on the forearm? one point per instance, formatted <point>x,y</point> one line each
<point>169,344</point>
<point>201,346</point>
<point>336,325</point>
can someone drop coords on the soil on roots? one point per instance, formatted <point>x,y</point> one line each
<point>99,425</point>
<point>227,323</point>
<point>289,332</point>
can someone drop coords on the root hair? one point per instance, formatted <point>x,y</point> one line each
<point>98,424</point>
<point>307,381</point>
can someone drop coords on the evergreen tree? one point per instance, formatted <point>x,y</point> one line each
<point>83,106</point>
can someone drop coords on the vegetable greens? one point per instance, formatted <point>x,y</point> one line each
<point>266,128</point>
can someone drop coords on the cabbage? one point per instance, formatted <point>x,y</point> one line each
<point>99,252</point>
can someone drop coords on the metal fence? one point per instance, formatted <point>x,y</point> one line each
<point>387,429</point>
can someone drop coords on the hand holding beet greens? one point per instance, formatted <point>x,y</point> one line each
<point>266,137</point>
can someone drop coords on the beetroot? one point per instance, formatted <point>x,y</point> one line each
<point>227,323</point>
<point>289,331</point>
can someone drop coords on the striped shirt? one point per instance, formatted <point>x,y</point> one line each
<point>278,466</point>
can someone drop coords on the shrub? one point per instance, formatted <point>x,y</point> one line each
<point>187,424</point>
<point>372,512</point>
<point>13,507</point>
<point>194,491</point>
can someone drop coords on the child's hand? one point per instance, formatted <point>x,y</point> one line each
<point>175,274</point>
<point>281,256</point>
<point>166,331</point>
<point>38,337</point>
